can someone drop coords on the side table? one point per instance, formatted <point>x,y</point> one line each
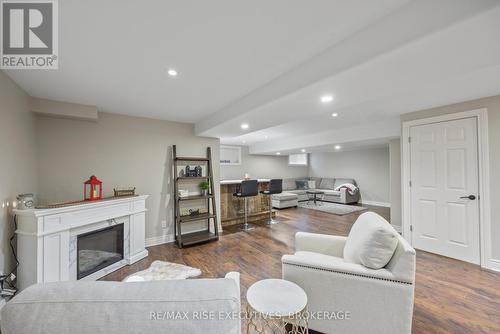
<point>275,303</point>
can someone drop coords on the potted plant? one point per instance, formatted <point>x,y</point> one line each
<point>204,188</point>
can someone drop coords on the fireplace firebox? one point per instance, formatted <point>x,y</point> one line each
<point>99,249</point>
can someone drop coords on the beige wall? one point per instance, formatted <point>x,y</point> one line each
<point>262,167</point>
<point>17,157</point>
<point>493,106</point>
<point>395,175</point>
<point>64,109</point>
<point>369,167</point>
<point>121,151</point>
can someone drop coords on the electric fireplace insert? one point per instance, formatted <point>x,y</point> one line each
<point>99,249</point>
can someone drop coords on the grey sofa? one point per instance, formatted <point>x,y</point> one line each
<point>327,185</point>
<point>285,200</point>
<point>86,307</point>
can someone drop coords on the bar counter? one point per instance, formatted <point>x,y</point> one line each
<point>232,208</point>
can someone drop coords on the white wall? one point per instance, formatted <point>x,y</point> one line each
<point>262,166</point>
<point>395,175</point>
<point>493,106</point>
<point>17,158</point>
<point>121,151</point>
<point>369,167</point>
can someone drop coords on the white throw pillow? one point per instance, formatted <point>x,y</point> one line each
<point>351,187</point>
<point>371,242</point>
<point>311,184</point>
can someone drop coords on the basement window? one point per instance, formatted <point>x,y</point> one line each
<point>300,159</point>
<point>230,155</point>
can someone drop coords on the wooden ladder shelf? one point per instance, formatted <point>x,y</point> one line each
<point>211,233</point>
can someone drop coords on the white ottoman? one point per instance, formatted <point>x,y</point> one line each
<point>285,200</point>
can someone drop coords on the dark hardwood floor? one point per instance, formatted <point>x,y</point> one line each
<point>450,296</point>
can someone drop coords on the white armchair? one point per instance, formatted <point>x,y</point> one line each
<point>368,300</point>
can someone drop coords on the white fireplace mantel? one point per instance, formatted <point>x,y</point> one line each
<point>46,245</point>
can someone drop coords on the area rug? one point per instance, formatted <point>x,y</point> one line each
<point>333,208</point>
<point>161,270</point>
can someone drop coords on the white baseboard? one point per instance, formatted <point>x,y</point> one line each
<point>159,240</point>
<point>493,264</point>
<point>386,205</point>
<point>165,239</point>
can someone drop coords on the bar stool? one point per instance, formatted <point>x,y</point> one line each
<point>248,188</point>
<point>275,187</point>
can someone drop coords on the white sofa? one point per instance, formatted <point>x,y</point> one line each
<point>86,307</point>
<point>377,301</point>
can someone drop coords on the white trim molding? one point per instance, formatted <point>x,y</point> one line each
<point>494,265</point>
<point>165,239</point>
<point>159,240</point>
<point>375,203</point>
<point>481,115</point>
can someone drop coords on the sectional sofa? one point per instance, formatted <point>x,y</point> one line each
<point>325,184</point>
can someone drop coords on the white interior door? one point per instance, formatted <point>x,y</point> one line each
<point>444,189</point>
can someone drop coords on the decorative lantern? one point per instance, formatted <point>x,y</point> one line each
<point>92,190</point>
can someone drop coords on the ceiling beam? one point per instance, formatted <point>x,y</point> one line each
<point>58,109</point>
<point>366,132</point>
<point>420,18</point>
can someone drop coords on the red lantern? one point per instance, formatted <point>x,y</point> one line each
<point>92,190</point>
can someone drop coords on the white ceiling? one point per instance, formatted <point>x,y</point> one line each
<point>114,54</point>
<point>267,63</point>
<point>355,136</point>
<point>435,70</point>
<point>348,146</point>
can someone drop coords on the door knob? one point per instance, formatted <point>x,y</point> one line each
<point>471,197</point>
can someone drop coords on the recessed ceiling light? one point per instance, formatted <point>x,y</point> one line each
<point>303,150</point>
<point>335,114</point>
<point>338,147</point>
<point>327,98</point>
<point>244,126</point>
<point>278,153</point>
<point>172,72</point>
